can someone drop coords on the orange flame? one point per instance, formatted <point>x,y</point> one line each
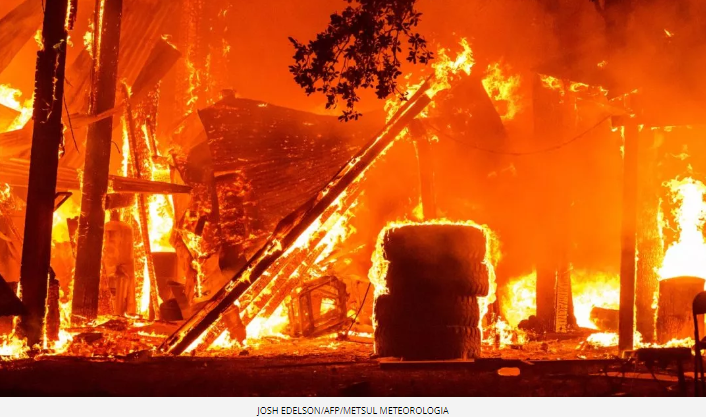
<point>10,97</point>
<point>685,256</point>
<point>503,90</point>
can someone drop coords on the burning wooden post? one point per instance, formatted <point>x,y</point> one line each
<point>674,315</point>
<point>649,241</point>
<point>108,15</point>
<point>289,232</point>
<point>47,138</point>
<point>426,168</point>
<point>629,221</point>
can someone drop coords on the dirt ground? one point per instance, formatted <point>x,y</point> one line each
<point>336,369</point>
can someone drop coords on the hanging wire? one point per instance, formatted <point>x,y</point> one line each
<point>362,303</point>
<point>533,152</point>
<point>68,116</point>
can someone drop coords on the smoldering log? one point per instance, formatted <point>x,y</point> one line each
<point>108,15</point>
<point>46,140</point>
<point>674,314</point>
<point>18,27</point>
<point>293,226</point>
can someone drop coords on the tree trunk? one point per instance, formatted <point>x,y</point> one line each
<point>629,219</point>
<point>47,138</point>
<point>108,14</point>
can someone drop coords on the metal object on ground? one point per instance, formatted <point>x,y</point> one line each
<point>318,307</point>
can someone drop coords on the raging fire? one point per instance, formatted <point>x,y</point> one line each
<point>685,256</point>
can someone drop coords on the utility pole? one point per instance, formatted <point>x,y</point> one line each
<point>47,138</point>
<point>104,74</point>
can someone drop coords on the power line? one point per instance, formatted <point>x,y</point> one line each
<point>534,152</point>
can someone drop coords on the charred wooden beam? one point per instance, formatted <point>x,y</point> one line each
<point>140,186</point>
<point>16,28</point>
<point>108,15</point>
<point>426,168</point>
<point>142,207</point>
<point>628,242</point>
<point>46,141</point>
<point>291,229</point>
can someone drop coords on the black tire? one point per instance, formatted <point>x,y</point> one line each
<point>401,279</point>
<point>436,259</point>
<point>424,310</point>
<point>428,343</point>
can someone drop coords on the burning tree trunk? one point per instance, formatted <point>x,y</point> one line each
<point>649,243</point>
<point>108,16</point>
<point>629,219</point>
<point>47,138</point>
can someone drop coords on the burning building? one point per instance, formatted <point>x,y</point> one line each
<point>162,194</point>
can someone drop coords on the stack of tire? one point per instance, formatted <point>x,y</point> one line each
<point>434,276</point>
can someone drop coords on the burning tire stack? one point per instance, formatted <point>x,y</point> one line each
<point>434,275</point>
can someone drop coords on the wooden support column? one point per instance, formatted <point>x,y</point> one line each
<point>629,223</point>
<point>108,16</point>
<point>47,138</point>
<point>426,168</point>
<point>649,242</point>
